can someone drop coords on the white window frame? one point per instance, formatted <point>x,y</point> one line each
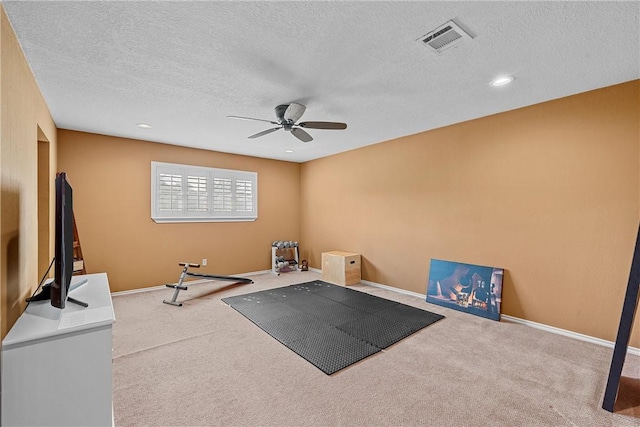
<point>239,199</point>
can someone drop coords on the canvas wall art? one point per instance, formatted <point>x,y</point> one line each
<point>470,288</point>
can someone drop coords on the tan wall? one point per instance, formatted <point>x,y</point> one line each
<point>111,180</point>
<point>548,192</point>
<point>22,111</point>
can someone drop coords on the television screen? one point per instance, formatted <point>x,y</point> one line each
<point>64,241</point>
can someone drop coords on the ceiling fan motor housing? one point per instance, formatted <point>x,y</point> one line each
<point>290,113</point>
<point>280,109</point>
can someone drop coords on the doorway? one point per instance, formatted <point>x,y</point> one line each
<point>44,204</point>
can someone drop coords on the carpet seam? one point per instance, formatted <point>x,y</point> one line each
<point>162,345</point>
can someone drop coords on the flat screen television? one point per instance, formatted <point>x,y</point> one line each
<point>64,242</point>
<point>58,290</point>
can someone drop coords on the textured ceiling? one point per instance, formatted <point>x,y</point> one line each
<point>184,66</point>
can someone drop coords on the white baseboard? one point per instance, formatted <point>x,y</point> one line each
<point>575,335</point>
<point>631,350</point>
<point>398,290</point>
<point>189,283</point>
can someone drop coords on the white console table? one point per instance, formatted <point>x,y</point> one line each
<point>56,364</point>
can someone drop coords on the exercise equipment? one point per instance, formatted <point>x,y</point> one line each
<point>284,256</point>
<point>181,287</point>
<point>281,244</point>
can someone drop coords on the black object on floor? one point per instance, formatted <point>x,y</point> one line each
<point>330,326</point>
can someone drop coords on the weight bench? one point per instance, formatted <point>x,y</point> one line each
<point>181,287</point>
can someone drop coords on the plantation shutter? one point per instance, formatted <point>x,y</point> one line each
<point>197,194</point>
<point>183,193</point>
<point>222,195</point>
<point>244,198</point>
<point>170,192</point>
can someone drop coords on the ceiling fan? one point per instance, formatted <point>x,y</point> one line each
<point>288,115</point>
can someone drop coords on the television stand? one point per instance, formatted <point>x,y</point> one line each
<point>45,293</point>
<point>75,301</point>
<point>73,288</point>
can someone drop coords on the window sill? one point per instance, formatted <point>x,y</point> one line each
<point>180,219</point>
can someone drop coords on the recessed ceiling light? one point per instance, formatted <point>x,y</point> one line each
<point>289,151</point>
<point>144,125</point>
<point>502,81</point>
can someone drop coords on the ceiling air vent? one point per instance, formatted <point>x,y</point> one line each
<point>445,36</point>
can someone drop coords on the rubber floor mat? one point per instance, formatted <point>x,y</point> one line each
<point>330,326</point>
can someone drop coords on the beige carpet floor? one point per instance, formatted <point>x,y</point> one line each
<point>205,364</point>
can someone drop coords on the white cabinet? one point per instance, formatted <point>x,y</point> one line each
<point>56,364</point>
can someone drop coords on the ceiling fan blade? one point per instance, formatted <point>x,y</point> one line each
<point>251,118</point>
<point>301,135</point>
<point>294,112</point>
<point>264,132</point>
<point>323,125</point>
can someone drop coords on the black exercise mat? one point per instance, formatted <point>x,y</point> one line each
<point>330,326</point>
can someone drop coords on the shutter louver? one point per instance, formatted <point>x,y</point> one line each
<point>197,194</point>
<point>244,197</point>
<point>221,195</point>
<point>170,192</point>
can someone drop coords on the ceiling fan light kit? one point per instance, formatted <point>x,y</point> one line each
<point>288,115</point>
